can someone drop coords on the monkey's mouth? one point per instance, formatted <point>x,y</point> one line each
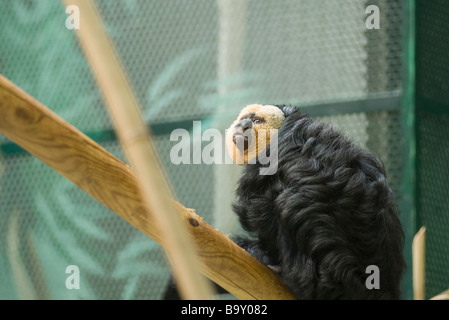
<point>241,141</point>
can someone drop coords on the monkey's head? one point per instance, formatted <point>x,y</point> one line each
<point>250,133</point>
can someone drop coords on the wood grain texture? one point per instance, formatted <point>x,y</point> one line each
<point>419,264</point>
<point>75,156</point>
<point>442,296</point>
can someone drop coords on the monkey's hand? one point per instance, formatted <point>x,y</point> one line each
<point>253,248</point>
<point>276,268</point>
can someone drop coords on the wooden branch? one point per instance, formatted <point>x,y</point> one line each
<point>419,264</point>
<point>71,153</point>
<point>137,144</point>
<point>442,296</point>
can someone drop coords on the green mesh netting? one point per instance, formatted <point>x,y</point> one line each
<point>432,96</point>
<point>187,60</point>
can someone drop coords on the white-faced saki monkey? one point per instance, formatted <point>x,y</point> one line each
<point>324,218</point>
<point>316,205</point>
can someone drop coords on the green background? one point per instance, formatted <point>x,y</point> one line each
<point>204,60</point>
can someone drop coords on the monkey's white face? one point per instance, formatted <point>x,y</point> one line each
<point>250,133</point>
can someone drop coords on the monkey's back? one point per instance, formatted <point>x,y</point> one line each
<point>325,215</point>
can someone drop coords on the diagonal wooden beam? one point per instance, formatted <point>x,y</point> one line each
<point>442,296</point>
<point>67,150</point>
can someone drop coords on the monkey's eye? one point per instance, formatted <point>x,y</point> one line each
<point>257,120</point>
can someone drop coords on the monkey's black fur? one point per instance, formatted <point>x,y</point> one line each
<point>324,216</point>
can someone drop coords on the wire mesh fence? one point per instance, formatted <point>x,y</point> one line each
<point>187,60</point>
<point>432,130</point>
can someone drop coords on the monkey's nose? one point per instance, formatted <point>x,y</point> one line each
<point>245,124</point>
